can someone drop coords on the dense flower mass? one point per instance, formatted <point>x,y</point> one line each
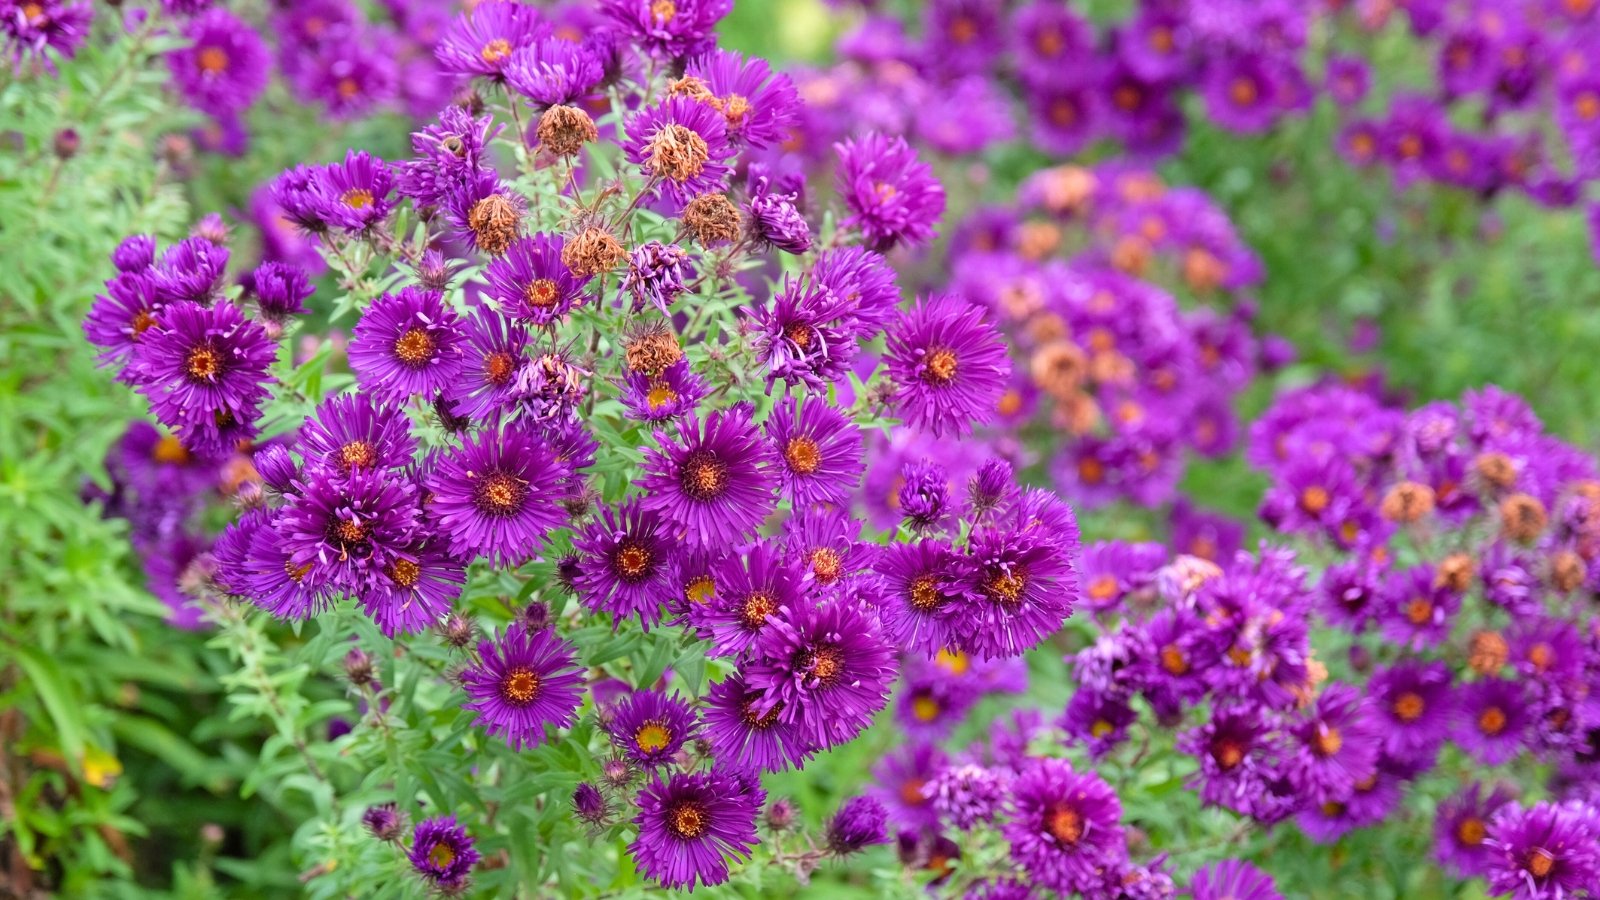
<point>665,422</point>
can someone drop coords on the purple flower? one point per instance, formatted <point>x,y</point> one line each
<point>1018,584</point>
<point>859,823</point>
<point>346,530</point>
<point>1461,829</point>
<point>827,540</point>
<point>863,286</point>
<point>496,353</point>
<point>408,343</point>
<point>657,274</point>
<point>1232,879</point>
<point>674,30</point>
<point>758,106</point>
<point>192,269</point>
<point>482,40</point>
<point>355,193</point>
<point>496,495</point>
<point>32,28</point>
<point>1066,827</point>
<point>1110,570</point>
<point>528,680</point>
<point>136,253</point>
<point>682,145</point>
<point>257,565</point>
<point>414,589</point>
<point>744,737</point>
<point>801,336</point>
<point>442,853</point>
<point>1337,745</point>
<point>689,825</point>
<point>1348,79</point>
<point>649,727</point>
<point>120,318</point>
<point>714,484</point>
<point>967,795</point>
<point>532,283</point>
<point>658,399</point>
<point>893,198</point>
<point>280,290</point>
<point>773,220</point>
<point>950,365</point>
<point>1413,705</point>
<point>625,564</point>
<point>902,778</point>
<point>553,71</point>
<point>924,496</point>
<point>204,370</point>
<point>1238,755</point>
<point>921,582</point>
<point>353,432</point>
<point>828,665</point>
<point>820,451</point>
<point>1065,117</point>
<point>1240,93</point>
<point>383,822</point>
<point>748,590</point>
<point>1418,613</point>
<point>352,77</point>
<point>448,155</point>
<point>1492,720</point>
<point>1099,719</point>
<point>1546,850</point>
<point>226,66</point>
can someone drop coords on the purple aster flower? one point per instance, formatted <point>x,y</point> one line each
<point>657,274</point>
<point>1047,38</point>
<point>1337,745</point>
<point>1413,705</point>
<point>1418,613</point>
<point>1461,829</point>
<point>625,566</point>
<point>443,854</point>
<point>1066,827</point>
<point>414,590</point>
<point>820,450</point>
<point>349,529</point>
<point>497,495</point>
<point>448,155</point>
<point>859,823</point>
<point>354,432</point>
<point>715,483</point>
<point>965,796</point>
<point>657,399</point>
<point>204,370</point>
<point>1019,584</point>
<point>192,269</point>
<point>1238,755</point>
<point>528,680</point>
<point>1155,45</point>
<point>298,193</point>
<point>892,197</point>
<point>383,822</point>
<point>1547,649</point>
<point>264,572</point>
<point>1099,719</point>
<point>689,825</point>
<point>924,496</point>
<point>1065,117</point>
<point>758,106</point>
<point>356,192</point>
<point>773,220</point>
<point>120,318</point>
<point>966,117</point>
<point>1546,850</point>
<point>862,283</point>
<point>741,595</point>
<point>950,365</point>
<point>1492,719</point>
<point>921,581</point>
<point>801,338</point>
<point>33,28</point>
<point>682,145</point>
<point>744,737</point>
<point>496,352</point>
<point>136,253</point>
<point>672,30</point>
<point>225,67</point>
<point>482,40</point>
<point>553,71</point>
<point>352,77</point>
<point>1347,80</point>
<point>408,343</point>
<point>589,805</point>
<point>1232,879</point>
<point>901,779</point>
<point>532,283</point>
<point>1111,570</point>
<point>649,727</point>
<point>280,290</point>
<point>827,540</point>
<point>1351,594</point>
<point>1240,92</point>
<point>828,665</point>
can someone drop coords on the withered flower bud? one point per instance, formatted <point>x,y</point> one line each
<point>495,222</point>
<point>1522,518</point>
<point>1407,502</point>
<point>712,219</point>
<point>593,251</point>
<point>563,130</point>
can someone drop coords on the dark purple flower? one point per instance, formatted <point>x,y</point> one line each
<point>1238,754</point>
<point>1240,92</point>
<point>689,825</point>
<point>921,582</point>
<point>1018,579</point>
<point>482,40</point>
<point>353,76</point>
<point>1492,720</point>
<point>192,269</point>
<point>589,805</point>
<point>668,30</point>
<point>528,680</point>
<point>356,192</point>
<point>1232,879</point>
<point>1548,850</point>
<point>820,451</point>
<point>745,737</point>
<point>682,146</point>
<point>772,220</point>
<point>892,197</point>
<point>827,540</point>
<point>204,370</point>
<point>950,365</point>
<point>408,343</point>
<point>924,496</point>
<point>657,274</point>
<point>442,853</point>
<point>225,67</point>
<point>280,290</point>
<point>859,823</point>
<point>349,529</point>
<point>448,155</point>
<point>414,589</point>
<point>1099,719</point>
<point>497,495</point>
<point>1337,745</point>
<point>353,432</point>
<point>713,485</point>
<point>532,283</point>
<point>758,106</point>
<point>649,727</point>
<point>1413,705</point>
<point>121,317</point>
<point>828,665</point>
<point>902,777</point>
<point>1461,829</point>
<point>257,566</point>
<point>657,399</point>
<point>496,353</point>
<point>553,71</point>
<point>625,566</point>
<point>1066,827</point>
<point>383,822</point>
<point>801,337</point>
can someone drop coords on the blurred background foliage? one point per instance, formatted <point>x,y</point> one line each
<point>125,768</point>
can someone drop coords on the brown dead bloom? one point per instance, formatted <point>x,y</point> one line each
<point>1487,652</point>
<point>563,130</point>
<point>1567,571</point>
<point>1496,469</point>
<point>1058,368</point>
<point>1455,572</point>
<point>712,219</point>
<point>1407,502</point>
<point>495,222</point>
<point>593,251</point>
<point>651,349</point>
<point>678,153</point>
<point>1522,518</point>
<point>693,88</point>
